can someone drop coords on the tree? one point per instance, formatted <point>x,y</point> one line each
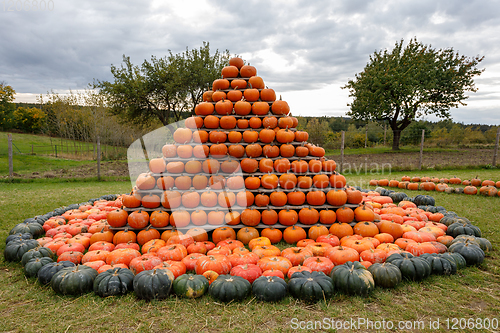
<point>317,129</point>
<point>410,82</point>
<point>7,106</point>
<point>162,88</point>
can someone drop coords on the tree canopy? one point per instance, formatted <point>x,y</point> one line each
<point>7,106</point>
<point>162,88</point>
<point>410,82</point>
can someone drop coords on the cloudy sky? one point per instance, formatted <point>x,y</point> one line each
<point>305,50</point>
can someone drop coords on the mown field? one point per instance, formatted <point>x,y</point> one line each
<point>25,306</point>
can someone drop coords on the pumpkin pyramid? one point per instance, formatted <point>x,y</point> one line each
<point>241,162</point>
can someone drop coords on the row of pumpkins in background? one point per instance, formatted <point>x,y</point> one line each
<point>348,259</point>
<point>472,187</point>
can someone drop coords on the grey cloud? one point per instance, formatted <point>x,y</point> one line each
<point>332,40</point>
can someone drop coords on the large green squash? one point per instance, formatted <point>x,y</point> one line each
<point>462,228</point>
<point>228,288</point>
<point>74,280</point>
<point>459,259</point>
<point>440,265</point>
<point>398,196</point>
<point>46,273</point>
<point>483,243</point>
<point>33,265</point>
<point>15,250</point>
<point>19,236</point>
<point>310,287</point>
<point>471,252</point>
<point>424,200</point>
<point>33,228</point>
<point>190,285</point>
<point>385,275</point>
<point>153,284</point>
<point>269,288</point>
<point>37,252</point>
<point>352,278</point>
<point>412,268</point>
<point>114,282</point>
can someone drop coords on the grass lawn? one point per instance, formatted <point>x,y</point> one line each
<point>28,307</point>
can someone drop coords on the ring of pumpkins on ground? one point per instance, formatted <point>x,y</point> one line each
<point>208,216</point>
<point>471,187</point>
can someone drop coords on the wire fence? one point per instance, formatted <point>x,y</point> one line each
<point>70,150</point>
<point>378,157</point>
<point>353,151</point>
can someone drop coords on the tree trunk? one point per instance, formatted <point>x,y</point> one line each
<point>396,137</point>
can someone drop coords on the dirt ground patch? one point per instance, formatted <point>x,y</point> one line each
<point>409,161</point>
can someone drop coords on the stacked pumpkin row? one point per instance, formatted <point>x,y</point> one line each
<point>210,172</point>
<point>487,187</point>
<point>224,207</point>
<point>325,253</point>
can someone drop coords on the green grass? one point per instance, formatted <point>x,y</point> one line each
<point>42,144</point>
<point>28,307</point>
<point>43,158</point>
<point>23,164</point>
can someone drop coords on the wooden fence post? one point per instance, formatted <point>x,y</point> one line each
<point>496,148</point>
<point>32,153</point>
<point>385,133</point>
<point>366,136</point>
<point>11,156</point>
<point>98,158</point>
<point>342,137</point>
<point>421,150</point>
<point>55,147</point>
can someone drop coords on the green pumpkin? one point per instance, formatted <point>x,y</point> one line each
<point>385,275</point>
<point>463,228</point>
<point>153,284</point>
<point>424,200</point>
<point>398,196</point>
<point>228,288</point>
<point>46,273</point>
<point>310,287</point>
<point>40,219</point>
<point>471,252</point>
<point>33,265</point>
<point>114,282</point>
<point>459,259</point>
<point>59,211</point>
<point>352,278</point>
<point>190,285</point>
<point>440,265</point>
<point>74,280</point>
<point>38,252</point>
<point>18,236</point>
<point>412,268</point>
<point>33,228</point>
<point>15,250</point>
<point>269,288</point>
<point>483,243</point>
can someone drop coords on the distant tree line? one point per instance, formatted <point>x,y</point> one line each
<point>326,131</point>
